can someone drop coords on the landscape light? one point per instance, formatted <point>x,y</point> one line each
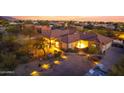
<point>96,62</point>
<point>45,66</point>
<point>35,73</point>
<point>57,62</point>
<point>64,57</point>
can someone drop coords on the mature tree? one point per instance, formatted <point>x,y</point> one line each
<point>43,23</point>
<point>41,44</point>
<point>4,22</point>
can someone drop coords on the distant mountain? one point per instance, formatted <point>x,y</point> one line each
<point>9,18</point>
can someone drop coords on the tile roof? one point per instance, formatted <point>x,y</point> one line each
<point>71,38</point>
<point>57,33</point>
<point>103,39</point>
<point>86,36</point>
<point>71,35</point>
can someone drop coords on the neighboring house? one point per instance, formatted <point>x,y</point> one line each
<point>111,26</point>
<point>36,27</point>
<point>108,26</point>
<point>13,23</point>
<point>100,25</point>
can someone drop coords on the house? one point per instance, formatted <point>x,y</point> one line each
<point>70,38</point>
<point>56,34</point>
<point>111,26</point>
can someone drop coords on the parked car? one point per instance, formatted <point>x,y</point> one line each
<point>98,70</point>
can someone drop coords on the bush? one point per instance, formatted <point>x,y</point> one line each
<point>93,50</point>
<point>8,61</point>
<point>58,54</point>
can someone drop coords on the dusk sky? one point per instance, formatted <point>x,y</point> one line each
<point>76,18</point>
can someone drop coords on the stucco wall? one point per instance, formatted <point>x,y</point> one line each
<point>106,46</point>
<point>70,45</point>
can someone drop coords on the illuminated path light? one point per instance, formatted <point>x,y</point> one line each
<point>45,66</point>
<point>35,73</point>
<point>96,62</point>
<point>53,49</point>
<point>64,57</point>
<point>57,62</point>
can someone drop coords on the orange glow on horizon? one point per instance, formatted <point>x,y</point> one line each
<point>74,18</point>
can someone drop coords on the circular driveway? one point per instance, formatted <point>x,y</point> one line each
<point>74,65</point>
